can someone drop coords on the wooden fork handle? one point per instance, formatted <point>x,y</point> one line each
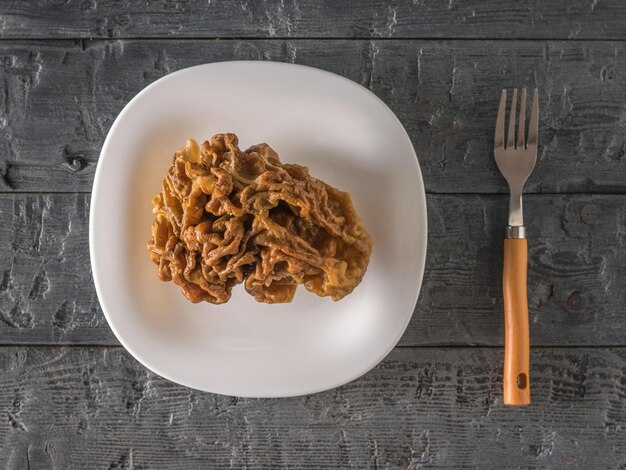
<point>516,340</point>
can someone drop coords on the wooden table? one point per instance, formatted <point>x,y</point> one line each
<point>71,397</point>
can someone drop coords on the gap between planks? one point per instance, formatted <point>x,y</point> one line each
<point>428,192</point>
<point>430,346</point>
<point>305,38</point>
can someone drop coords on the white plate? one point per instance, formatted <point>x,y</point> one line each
<point>347,137</point>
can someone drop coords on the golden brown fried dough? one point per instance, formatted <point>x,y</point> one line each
<point>226,217</point>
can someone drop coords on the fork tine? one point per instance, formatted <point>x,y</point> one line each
<point>533,125</point>
<point>510,140</point>
<point>522,120</point>
<point>499,137</point>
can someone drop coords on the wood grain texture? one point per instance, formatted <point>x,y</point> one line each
<point>59,99</point>
<point>420,408</point>
<point>68,67</point>
<point>547,19</point>
<point>577,264</point>
<point>46,288</point>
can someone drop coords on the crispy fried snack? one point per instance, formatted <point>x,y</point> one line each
<point>226,217</point>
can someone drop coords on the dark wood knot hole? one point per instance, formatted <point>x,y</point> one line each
<point>522,381</point>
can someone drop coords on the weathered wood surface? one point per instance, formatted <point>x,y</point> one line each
<point>93,406</point>
<point>420,408</point>
<point>46,288</point>
<point>58,100</point>
<point>546,19</point>
<point>577,266</point>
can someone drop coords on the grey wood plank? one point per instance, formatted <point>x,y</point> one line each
<point>549,19</point>
<point>577,265</point>
<point>59,99</point>
<point>46,288</point>
<point>420,408</point>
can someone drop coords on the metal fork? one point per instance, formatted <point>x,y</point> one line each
<point>516,159</point>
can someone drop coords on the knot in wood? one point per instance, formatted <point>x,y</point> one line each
<point>577,302</point>
<point>590,214</point>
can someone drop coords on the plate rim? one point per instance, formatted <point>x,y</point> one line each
<point>421,206</point>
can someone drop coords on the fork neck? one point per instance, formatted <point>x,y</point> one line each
<point>516,227</point>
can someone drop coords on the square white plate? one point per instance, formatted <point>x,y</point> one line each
<point>348,138</point>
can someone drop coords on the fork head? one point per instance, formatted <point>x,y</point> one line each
<point>517,156</point>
